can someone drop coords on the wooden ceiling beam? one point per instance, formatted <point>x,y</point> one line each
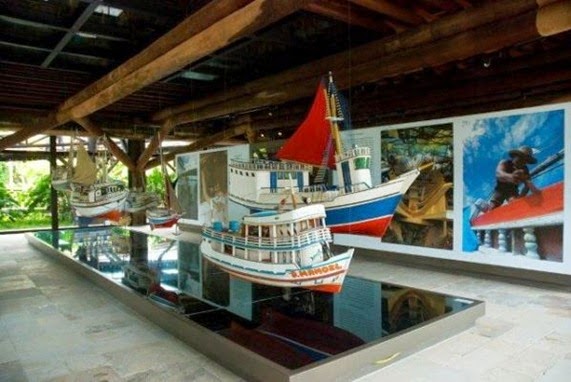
<point>155,142</point>
<point>239,127</point>
<point>240,23</point>
<point>191,26</point>
<point>435,40</point>
<point>447,92</point>
<point>243,22</point>
<point>389,8</point>
<point>342,11</point>
<point>20,155</point>
<point>121,156</point>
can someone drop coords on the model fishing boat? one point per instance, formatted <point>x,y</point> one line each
<point>92,196</point>
<point>170,213</point>
<point>138,201</point>
<point>354,205</point>
<point>283,249</point>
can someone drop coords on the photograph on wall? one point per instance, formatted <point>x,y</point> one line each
<point>187,185</point>
<point>424,215</point>
<point>213,205</point>
<point>513,172</point>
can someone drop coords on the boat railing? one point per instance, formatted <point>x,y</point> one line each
<point>281,243</point>
<point>267,165</point>
<point>317,193</point>
<point>517,237</point>
<point>353,153</point>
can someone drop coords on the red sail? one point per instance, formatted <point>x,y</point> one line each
<point>312,139</point>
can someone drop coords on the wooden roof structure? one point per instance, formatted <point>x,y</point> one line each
<point>207,71</point>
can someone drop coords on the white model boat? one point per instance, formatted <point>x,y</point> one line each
<point>283,249</point>
<point>92,197</point>
<point>355,205</point>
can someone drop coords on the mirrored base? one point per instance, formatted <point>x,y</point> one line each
<point>260,332</point>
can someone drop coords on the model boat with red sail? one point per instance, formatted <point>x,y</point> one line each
<point>355,205</point>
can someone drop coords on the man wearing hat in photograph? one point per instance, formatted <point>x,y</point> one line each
<point>510,174</point>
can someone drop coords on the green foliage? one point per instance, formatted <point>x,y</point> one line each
<point>38,199</point>
<point>8,205</point>
<point>3,172</point>
<point>155,183</point>
<point>39,196</point>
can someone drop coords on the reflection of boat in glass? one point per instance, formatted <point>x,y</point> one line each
<point>355,205</point>
<point>287,249</point>
<point>138,276</point>
<point>285,329</point>
<point>321,339</point>
<point>292,341</point>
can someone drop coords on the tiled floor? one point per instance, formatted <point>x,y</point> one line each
<point>55,326</point>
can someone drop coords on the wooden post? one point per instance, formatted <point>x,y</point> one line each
<point>136,177</point>
<point>53,192</point>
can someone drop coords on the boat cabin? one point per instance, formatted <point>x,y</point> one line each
<point>297,236</point>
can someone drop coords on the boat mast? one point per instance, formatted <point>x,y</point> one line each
<point>332,117</point>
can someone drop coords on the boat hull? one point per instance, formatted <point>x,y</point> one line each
<point>162,217</point>
<point>532,207</point>
<point>366,212</point>
<point>98,200</point>
<point>325,276</point>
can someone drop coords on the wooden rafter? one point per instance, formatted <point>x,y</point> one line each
<point>473,31</point>
<point>241,126</point>
<point>342,11</point>
<point>389,8</point>
<point>242,22</point>
<point>92,128</point>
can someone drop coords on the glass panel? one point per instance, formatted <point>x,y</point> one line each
<point>292,327</point>
<point>362,163</point>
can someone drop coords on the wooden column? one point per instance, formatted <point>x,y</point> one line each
<point>53,192</point>
<point>137,179</point>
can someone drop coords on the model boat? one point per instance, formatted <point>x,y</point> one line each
<point>170,213</point>
<point>138,201</point>
<point>92,196</point>
<point>283,249</point>
<point>354,205</point>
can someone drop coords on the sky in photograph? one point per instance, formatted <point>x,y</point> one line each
<point>488,141</point>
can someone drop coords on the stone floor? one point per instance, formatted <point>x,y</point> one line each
<point>55,326</point>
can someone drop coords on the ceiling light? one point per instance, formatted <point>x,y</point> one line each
<point>192,75</point>
<point>86,35</point>
<point>107,10</point>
